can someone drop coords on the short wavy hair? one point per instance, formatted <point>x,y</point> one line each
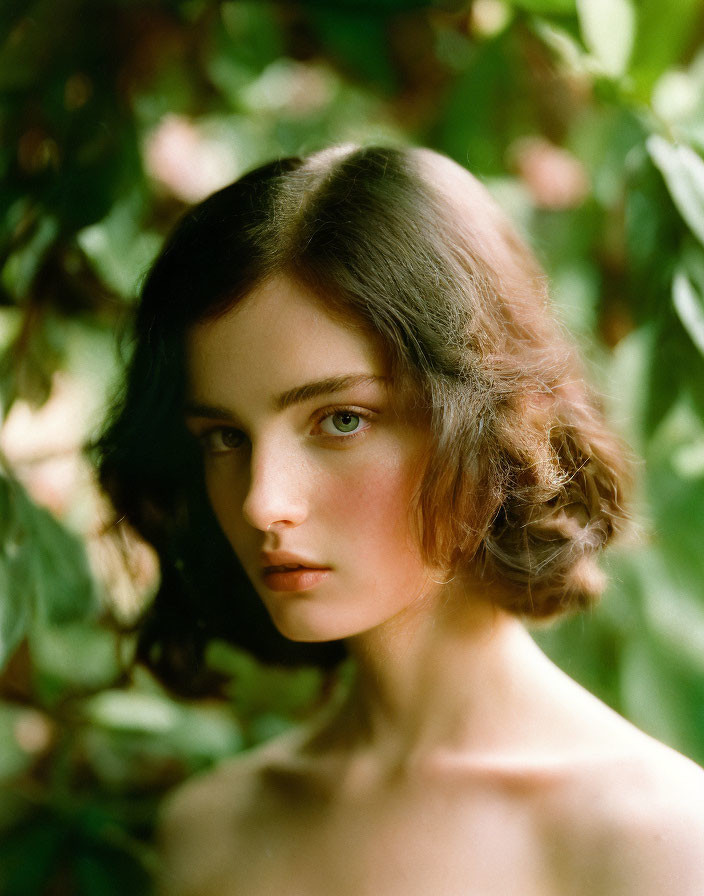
<point>525,482</point>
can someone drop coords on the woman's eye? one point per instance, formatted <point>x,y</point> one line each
<point>342,423</point>
<point>221,440</point>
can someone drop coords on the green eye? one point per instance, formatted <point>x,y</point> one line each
<point>343,421</point>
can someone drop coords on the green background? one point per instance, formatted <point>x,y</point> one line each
<point>586,120</point>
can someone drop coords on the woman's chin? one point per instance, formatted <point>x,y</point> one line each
<point>302,625</point>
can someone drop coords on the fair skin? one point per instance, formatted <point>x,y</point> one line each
<point>462,761</point>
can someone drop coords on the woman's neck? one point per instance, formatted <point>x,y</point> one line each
<point>451,674</point>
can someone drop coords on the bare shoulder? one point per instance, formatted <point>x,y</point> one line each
<point>201,823</point>
<point>633,824</point>
<point>657,840</point>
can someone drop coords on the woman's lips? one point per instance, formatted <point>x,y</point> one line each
<point>301,578</point>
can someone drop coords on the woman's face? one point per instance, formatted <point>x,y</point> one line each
<point>311,462</point>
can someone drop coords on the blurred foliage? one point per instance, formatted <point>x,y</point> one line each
<point>586,119</point>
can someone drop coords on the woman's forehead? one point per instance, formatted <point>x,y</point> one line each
<point>278,337</point>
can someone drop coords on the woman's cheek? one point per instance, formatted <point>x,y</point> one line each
<point>373,498</point>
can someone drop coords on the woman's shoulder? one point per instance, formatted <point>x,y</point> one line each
<point>632,823</point>
<point>659,814</point>
<point>204,819</point>
<point>237,782</point>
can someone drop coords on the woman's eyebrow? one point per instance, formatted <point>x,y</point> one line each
<point>287,399</point>
<point>324,387</point>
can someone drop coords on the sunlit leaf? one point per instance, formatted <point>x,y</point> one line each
<point>689,304</point>
<point>683,171</point>
<point>563,44</point>
<point>117,248</point>
<point>133,711</point>
<point>608,28</point>
<point>163,726</point>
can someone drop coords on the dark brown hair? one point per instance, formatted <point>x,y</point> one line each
<point>525,481</point>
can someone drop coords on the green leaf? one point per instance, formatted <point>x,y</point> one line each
<point>359,41</point>
<point>13,759</point>
<point>14,613</point>
<point>133,712</point>
<point>158,725</point>
<point>81,654</point>
<point>683,171</point>
<point>608,28</point>
<point>546,7</point>
<point>689,304</point>
<point>22,266</point>
<point>664,34</point>
<point>15,585</point>
<point>256,689</point>
<point>44,575</point>
<point>566,47</point>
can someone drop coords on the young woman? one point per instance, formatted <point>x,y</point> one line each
<point>349,362</point>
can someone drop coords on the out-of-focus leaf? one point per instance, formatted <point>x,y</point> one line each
<point>608,28</point>
<point>119,250</point>
<point>683,171</point>
<point>678,101</point>
<point>205,731</point>
<point>22,265</point>
<point>650,699</point>
<point>689,304</point>
<point>16,599</point>
<point>546,7</point>
<point>133,711</point>
<point>44,840</point>
<point>664,33</point>
<point>28,48</point>
<point>676,495</point>
<point>678,619</point>
<point>78,655</point>
<point>13,759</point>
<point>64,587</point>
<point>359,40</point>
<point>256,689</point>
<point>14,611</point>
<point>209,732</point>
<point>44,570</point>
<point>255,38</point>
<point>688,288</point>
<point>383,7</point>
<point>660,693</point>
<point>563,44</point>
<point>29,361</point>
<point>473,107</point>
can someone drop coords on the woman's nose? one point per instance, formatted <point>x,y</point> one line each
<point>276,489</point>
